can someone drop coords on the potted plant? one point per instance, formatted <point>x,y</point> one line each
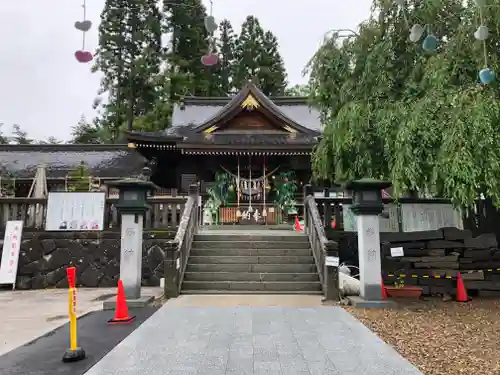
<point>400,290</point>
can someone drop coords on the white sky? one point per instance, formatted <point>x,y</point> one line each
<point>44,89</point>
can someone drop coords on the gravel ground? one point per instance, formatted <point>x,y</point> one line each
<point>441,338</point>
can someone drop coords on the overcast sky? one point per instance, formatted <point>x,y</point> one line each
<point>45,91</point>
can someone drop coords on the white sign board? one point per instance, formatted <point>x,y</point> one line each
<point>75,211</point>
<point>428,216</point>
<point>332,261</point>
<point>10,252</point>
<point>386,224</point>
<point>397,252</point>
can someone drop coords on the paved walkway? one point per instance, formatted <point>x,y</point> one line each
<point>28,314</point>
<point>252,340</point>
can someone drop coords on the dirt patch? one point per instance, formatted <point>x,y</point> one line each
<point>441,338</point>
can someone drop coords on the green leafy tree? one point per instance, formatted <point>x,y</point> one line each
<point>420,119</point>
<point>298,90</point>
<point>85,132</point>
<point>3,139</point>
<point>50,141</point>
<point>79,179</point>
<point>19,136</point>
<point>129,57</point>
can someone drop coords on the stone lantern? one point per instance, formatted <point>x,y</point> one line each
<point>132,205</point>
<point>367,205</point>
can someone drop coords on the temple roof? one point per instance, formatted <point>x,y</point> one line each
<point>105,161</point>
<point>198,110</point>
<point>201,122</point>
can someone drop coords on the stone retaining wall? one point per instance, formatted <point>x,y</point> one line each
<point>44,257</point>
<point>432,259</point>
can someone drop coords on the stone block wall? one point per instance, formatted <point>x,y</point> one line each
<point>44,257</point>
<point>432,260</point>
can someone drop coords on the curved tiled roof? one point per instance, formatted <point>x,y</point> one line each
<point>103,160</point>
<point>198,111</point>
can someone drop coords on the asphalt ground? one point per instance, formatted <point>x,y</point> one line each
<point>43,356</point>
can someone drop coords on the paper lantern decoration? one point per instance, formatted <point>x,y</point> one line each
<point>83,56</point>
<point>210,59</point>
<point>486,76</point>
<point>482,33</point>
<point>210,24</point>
<point>416,32</point>
<point>430,43</point>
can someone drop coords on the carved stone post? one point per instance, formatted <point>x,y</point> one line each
<point>171,288</point>
<point>331,271</point>
<point>308,190</point>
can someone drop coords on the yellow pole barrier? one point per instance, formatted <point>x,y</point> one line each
<point>72,318</point>
<point>74,353</point>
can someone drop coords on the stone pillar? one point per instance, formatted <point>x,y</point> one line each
<point>131,254</point>
<point>370,267</point>
<point>367,205</point>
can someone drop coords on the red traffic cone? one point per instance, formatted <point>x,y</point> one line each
<point>384,291</point>
<point>121,311</point>
<point>297,226</point>
<point>462,295</point>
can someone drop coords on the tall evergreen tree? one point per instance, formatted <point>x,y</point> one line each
<point>272,75</point>
<point>226,48</point>
<point>248,51</point>
<point>185,24</point>
<point>257,57</point>
<point>129,56</point>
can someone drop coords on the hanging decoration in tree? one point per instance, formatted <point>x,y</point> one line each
<point>211,57</point>
<point>486,75</point>
<point>83,56</point>
<point>430,42</point>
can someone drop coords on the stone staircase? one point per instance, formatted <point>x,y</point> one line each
<point>242,261</point>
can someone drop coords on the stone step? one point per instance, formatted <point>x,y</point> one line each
<point>252,285</point>
<point>251,237</point>
<point>249,276</point>
<point>251,260</point>
<point>250,252</point>
<point>265,292</point>
<point>259,268</point>
<point>248,245</point>
<point>247,228</point>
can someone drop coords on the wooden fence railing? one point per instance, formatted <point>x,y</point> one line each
<point>164,213</point>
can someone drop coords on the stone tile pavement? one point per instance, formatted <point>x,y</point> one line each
<point>28,314</point>
<point>252,340</point>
